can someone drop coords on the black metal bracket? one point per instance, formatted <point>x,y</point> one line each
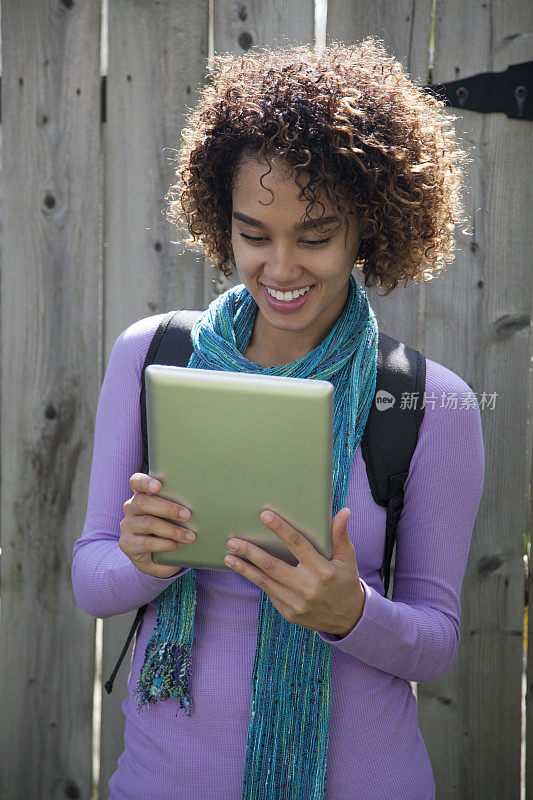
<point>507,92</point>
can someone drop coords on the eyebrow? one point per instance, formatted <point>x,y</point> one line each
<point>300,226</point>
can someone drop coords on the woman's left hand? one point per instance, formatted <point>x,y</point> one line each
<point>317,594</point>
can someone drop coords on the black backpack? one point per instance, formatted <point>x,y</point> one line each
<point>388,441</point>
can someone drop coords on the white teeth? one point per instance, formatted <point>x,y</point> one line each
<point>287,296</point>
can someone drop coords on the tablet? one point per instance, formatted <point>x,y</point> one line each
<point>228,445</point>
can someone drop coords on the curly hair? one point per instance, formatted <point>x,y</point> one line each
<point>354,126</point>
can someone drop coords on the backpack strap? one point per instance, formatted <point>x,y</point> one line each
<point>391,432</point>
<point>136,622</point>
<point>171,344</point>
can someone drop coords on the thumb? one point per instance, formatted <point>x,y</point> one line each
<point>340,540</point>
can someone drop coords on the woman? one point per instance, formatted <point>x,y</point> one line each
<point>296,167</point>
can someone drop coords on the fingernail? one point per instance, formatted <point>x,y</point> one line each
<point>153,485</point>
<point>189,536</point>
<point>267,516</point>
<point>185,513</point>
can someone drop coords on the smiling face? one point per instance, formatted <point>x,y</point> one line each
<point>296,270</point>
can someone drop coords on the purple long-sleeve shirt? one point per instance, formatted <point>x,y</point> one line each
<point>375,746</point>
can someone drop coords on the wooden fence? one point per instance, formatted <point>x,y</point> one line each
<point>86,251</point>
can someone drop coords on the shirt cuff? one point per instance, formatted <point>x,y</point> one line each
<point>334,638</point>
<point>384,637</point>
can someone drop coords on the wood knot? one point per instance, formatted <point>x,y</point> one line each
<point>50,411</point>
<point>489,564</point>
<point>509,324</point>
<point>245,40</point>
<point>49,201</point>
<point>71,789</point>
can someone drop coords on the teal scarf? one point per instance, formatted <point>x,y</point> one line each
<point>288,735</point>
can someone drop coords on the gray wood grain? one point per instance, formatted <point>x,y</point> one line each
<point>157,58</point>
<point>239,28</point>
<point>478,319</point>
<point>157,55</point>
<point>404,30</point>
<point>50,358</point>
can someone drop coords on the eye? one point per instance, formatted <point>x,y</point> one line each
<point>258,239</point>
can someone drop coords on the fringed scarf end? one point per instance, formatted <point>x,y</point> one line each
<point>165,674</point>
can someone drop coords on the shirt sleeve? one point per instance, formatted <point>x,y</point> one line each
<point>104,580</point>
<point>415,634</point>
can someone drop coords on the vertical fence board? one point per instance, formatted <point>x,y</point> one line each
<point>50,356</point>
<point>404,28</point>
<point>157,57</point>
<point>272,23</point>
<point>237,28</point>
<point>477,322</point>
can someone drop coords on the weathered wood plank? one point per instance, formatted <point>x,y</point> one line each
<point>477,322</point>
<point>157,56</point>
<point>50,359</point>
<point>404,28</point>
<point>237,28</point>
<point>274,23</point>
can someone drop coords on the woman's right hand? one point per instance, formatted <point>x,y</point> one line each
<point>145,528</point>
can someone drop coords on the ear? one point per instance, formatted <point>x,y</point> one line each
<point>364,230</point>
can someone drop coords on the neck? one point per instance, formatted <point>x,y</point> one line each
<point>270,347</point>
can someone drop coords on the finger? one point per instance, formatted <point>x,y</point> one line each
<point>340,522</point>
<point>140,482</point>
<point>145,544</point>
<point>276,591</point>
<point>142,503</point>
<point>145,563</point>
<point>161,571</point>
<point>139,525</point>
<point>275,568</point>
<point>297,543</point>
<point>342,546</point>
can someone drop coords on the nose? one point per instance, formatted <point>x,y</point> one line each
<point>282,267</point>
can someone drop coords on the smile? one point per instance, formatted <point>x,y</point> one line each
<point>287,296</point>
